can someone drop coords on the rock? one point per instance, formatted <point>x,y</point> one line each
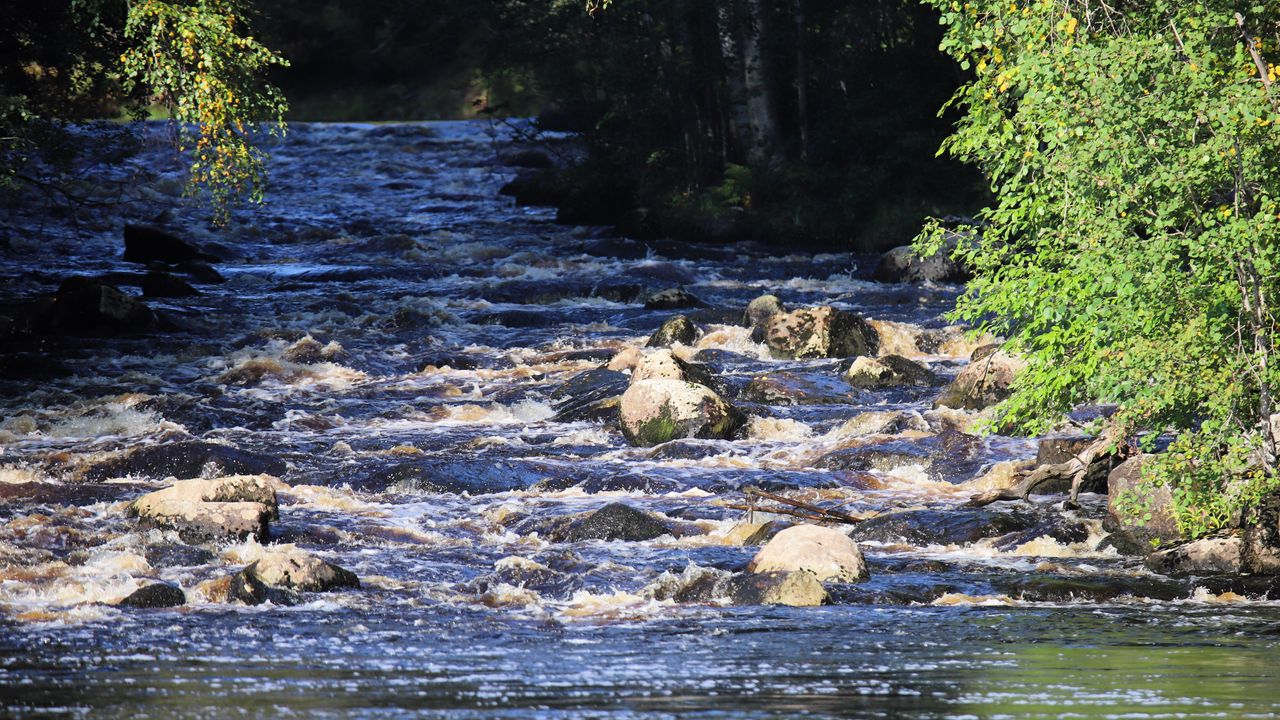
<point>882,422</point>
<point>85,307</point>
<point>903,265</point>
<point>538,187</point>
<point>163,284</point>
<point>625,359</point>
<point>820,332</point>
<point>950,456</point>
<point>655,411</point>
<point>955,526</point>
<point>293,569</point>
<point>234,507</point>
<point>616,521</point>
<point>826,553</point>
<point>761,309</point>
<point>144,243</point>
<point>887,371</point>
<point>985,381</point>
<point>186,460</point>
<point>245,587</point>
<point>200,272</point>
<point>797,388</point>
<point>678,329</point>
<point>797,589</point>
<point>672,299</point>
<point>1206,556</point>
<point>1260,551</point>
<point>445,476</point>
<point>592,395</point>
<point>766,532</point>
<point>1053,450</point>
<point>177,555</point>
<point>528,158</point>
<point>663,365</point>
<point>1140,515</point>
<point>155,595</point>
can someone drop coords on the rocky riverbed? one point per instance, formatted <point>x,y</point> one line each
<point>392,445</point>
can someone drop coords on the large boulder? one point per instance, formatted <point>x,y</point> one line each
<point>1056,449</point>
<point>1141,516</point>
<point>985,381</point>
<point>235,507</point>
<point>590,395</point>
<point>664,365</point>
<point>672,299</point>
<point>144,244</point>
<point>678,329</point>
<point>1260,552</point>
<point>186,460</point>
<point>888,371</point>
<point>293,569</point>
<point>904,265</point>
<point>656,411</point>
<point>163,284</point>
<point>821,332</point>
<point>90,308</point>
<point>616,521</point>
<point>826,553</point>
<point>1206,556</point>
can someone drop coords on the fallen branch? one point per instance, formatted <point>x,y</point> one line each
<point>775,511</point>
<point>1074,470</point>
<point>811,512</point>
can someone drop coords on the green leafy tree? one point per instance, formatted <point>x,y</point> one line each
<point>1131,253</point>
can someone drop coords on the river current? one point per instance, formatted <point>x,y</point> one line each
<point>388,316</point>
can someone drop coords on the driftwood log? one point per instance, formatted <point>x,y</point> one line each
<point>1074,470</point>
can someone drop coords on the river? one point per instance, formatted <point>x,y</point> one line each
<point>444,320</point>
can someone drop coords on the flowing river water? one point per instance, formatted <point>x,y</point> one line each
<point>424,454</point>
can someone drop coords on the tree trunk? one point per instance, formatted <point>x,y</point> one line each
<point>729,22</point>
<point>761,108</point>
<point>802,83</point>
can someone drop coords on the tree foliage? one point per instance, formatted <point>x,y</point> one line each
<point>1132,251</point>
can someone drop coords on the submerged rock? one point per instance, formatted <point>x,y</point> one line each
<point>796,589</point>
<point>656,411</point>
<point>826,553</point>
<point>797,388</point>
<point>163,284</point>
<point>672,299</point>
<point>679,329</point>
<point>1206,556</point>
<point>821,332</point>
<point>954,526</point>
<point>186,460</point>
<point>888,371</point>
<point>591,395</point>
<point>985,381</point>
<point>145,243</point>
<point>616,521</point>
<point>155,595</point>
<point>471,476</point>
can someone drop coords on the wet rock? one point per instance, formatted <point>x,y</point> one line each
<point>1080,588</point>
<point>200,272</point>
<point>797,388</point>
<point>1140,515</point>
<point>616,521</point>
<point>1059,449</point>
<point>592,395</point>
<point>985,381</point>
<point>904,265</point>
<point>797,589</point>
<point>155,595</point>
<point>456,477</point>
<point>950,456</point>
<point>527,575</point>
<point>298,570</point>
<point>234,507</point>
<point>655,411</point>
<point>663,365</point>
<point>825,552</point>
<point>536,188</point>
<point>761,309</point>
<point>882,422</point>
<point>529,158</point>
<point>888,371</point>
<point>88,308</point>
<point>186,460</point>
<point>822,332</point>
<point>178,555</point>
<point>672,299</point>
<point>1206,556</point>
<point>766,532</point>
<point>144,244</point>
<point>1062,529</point>
<point>245,587</point>
<point>1260,551</point>
<point>629,482</point>
<point>955,526</point>
<point>679,329</point>
<point>163,284</point>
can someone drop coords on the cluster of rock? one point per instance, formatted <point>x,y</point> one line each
<point>229,509</point>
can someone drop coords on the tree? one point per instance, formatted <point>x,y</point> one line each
<point>1131,253</point>
<point>84,58</point>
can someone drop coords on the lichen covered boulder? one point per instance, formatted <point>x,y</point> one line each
<point>796,589</point>
<point>659,410</point>
<point>821,332</point>
<point>293,569</point>
<point>826,553</point>
<point>986,380</point>
<point>235,507</point>
<point>676,330</point>
<point>888,371</point>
